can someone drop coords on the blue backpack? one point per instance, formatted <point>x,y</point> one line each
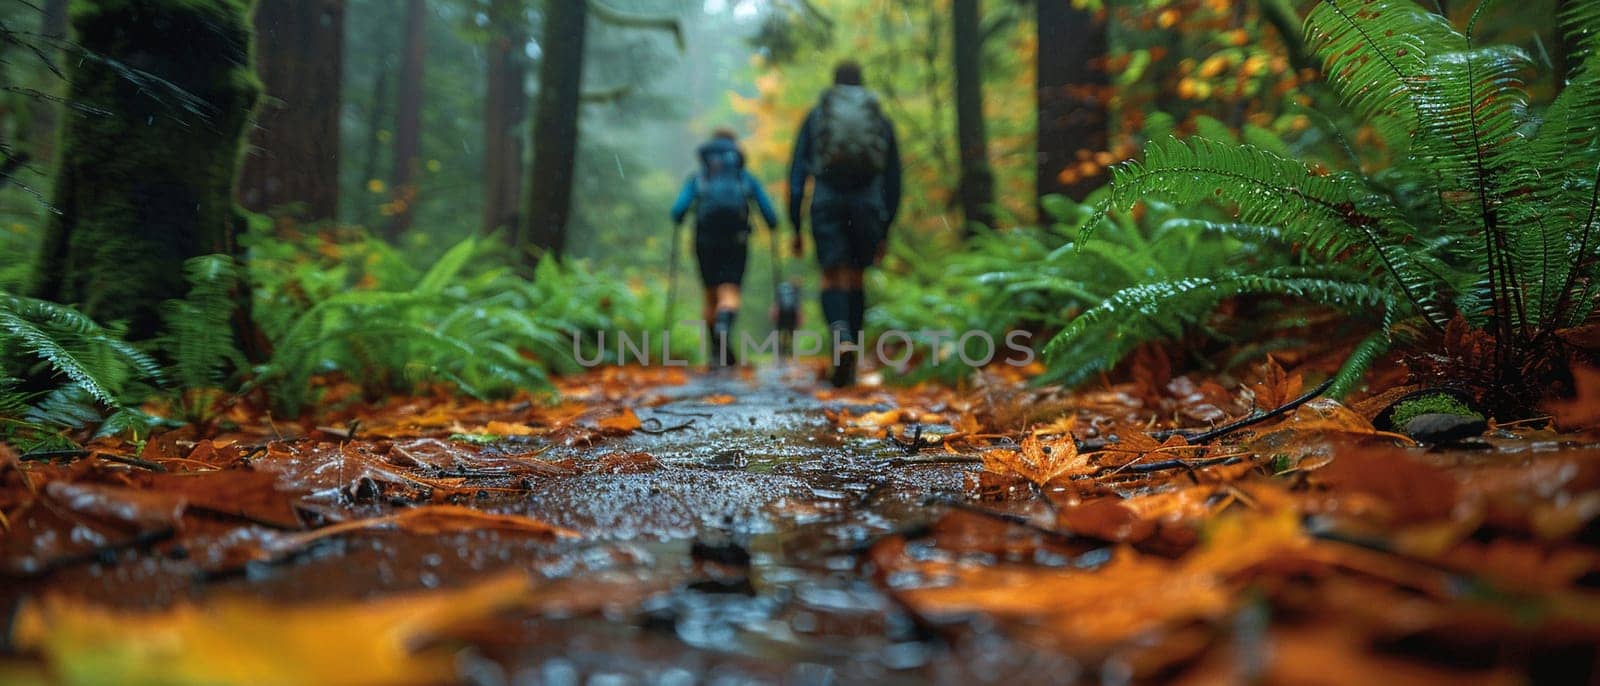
<point>720,198</point>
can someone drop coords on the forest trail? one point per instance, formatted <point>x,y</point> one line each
<point>719,538</point>
<point>660,525</point>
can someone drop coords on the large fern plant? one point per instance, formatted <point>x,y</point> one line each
<point>1485,215</point>
<point>60,371</point>
<point>1040,280</point>
<point>467,321</point>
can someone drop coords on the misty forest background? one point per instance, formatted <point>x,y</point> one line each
<point>413,121</point>
<point>483,177</point>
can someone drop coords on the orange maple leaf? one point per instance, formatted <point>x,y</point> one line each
<point>1038,461</point>
<point>1276,387</point>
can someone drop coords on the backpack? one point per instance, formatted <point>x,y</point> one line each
<point>851,141</point>
<point>720,198</point>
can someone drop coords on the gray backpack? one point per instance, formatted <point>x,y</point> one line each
<point>851,137</point>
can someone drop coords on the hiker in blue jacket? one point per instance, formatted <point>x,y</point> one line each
<point>720,194</point>
<point>848,146</point>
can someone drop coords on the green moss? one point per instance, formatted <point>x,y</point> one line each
<point>150,154</point>
<point>1282,463</point>
<point>1434,403</point>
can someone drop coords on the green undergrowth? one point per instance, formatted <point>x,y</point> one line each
<point>1043,281</point>
<point>331,304</point>
<point>1481,209</point>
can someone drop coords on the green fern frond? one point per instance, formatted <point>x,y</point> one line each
<point>73,346</point>
<point>1094,341</point>
<point>1360,360</point>
<point>13,400</point>
<point>1474,118</point>
<point>1331,214</point>
<point>1375,54</point>
<point>199,334</point>
<point>1247,233</point>
<point>1580,23</point>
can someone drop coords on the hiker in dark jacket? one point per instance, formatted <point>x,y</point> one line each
<point>720,194</point>
<point>848,146</point>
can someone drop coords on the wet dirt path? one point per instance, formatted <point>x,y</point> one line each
<point>734,557</point>
<point>662,529</point>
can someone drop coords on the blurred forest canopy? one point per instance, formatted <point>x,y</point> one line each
<point>427,80</point>
<point>650,95</point>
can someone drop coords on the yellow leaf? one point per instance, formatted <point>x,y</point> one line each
<point>507,429</point>
<point>623,421</point>
<point>244,641</point>
<point>877,420</point>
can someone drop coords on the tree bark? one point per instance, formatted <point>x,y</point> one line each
<point>376,116</point>
<point>408,122</point>
<point>1072,91</point>
<point>555,128</point>
<point>47,114</point>
<point>295,160</point>
<point>504,110</point>
<point>977,179</point>
<point>147,171</point>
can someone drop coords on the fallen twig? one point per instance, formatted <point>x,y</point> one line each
<point>79,453</point>
<point>49,455</point>
<point>680,413</point>
<point>131,461</point>
<point>1279,411</point>
<point>1196,438</point>
<point>1191,465</point>
<point>655,426</point>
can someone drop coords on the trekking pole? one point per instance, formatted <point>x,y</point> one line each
<point>672,278</point>
<point>777,304</point>
<point>777,267</point>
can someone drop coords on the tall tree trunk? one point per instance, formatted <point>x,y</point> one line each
<point>146,178</point>
<point>555,127</point>
<point>408,122</point>
<point>295,160</point>
<point>977,180</point>
<point>47,114</point>
<point>504,110</point>
<point>1072,90</point>
<point>376,116</point>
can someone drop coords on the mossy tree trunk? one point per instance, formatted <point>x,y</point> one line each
<point>150,155</point>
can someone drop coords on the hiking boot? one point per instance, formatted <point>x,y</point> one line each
<point>843,374</point>
<point>722,338</point>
